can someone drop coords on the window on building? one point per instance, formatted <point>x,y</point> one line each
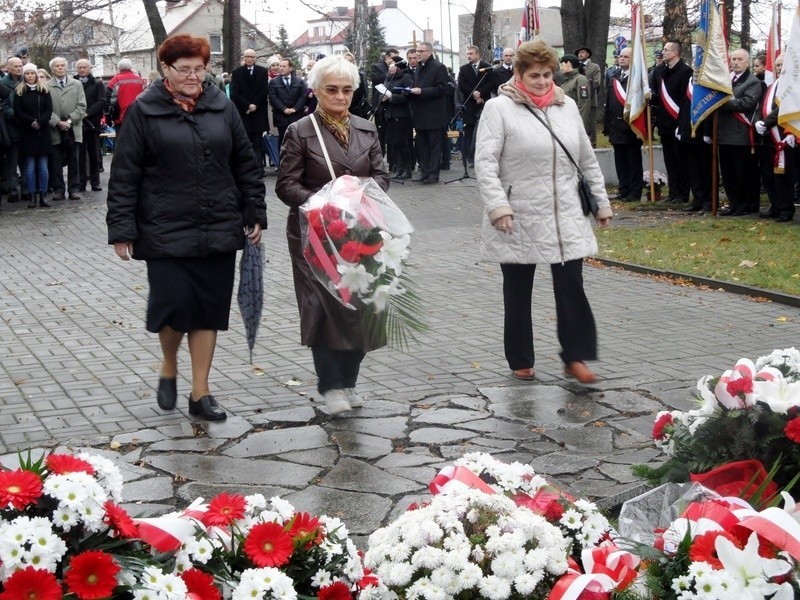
<point>215,39</point>
<point>89,32</point>
<point>469,40</point>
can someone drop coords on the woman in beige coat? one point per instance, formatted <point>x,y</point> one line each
<point>335,334</point>
<point>533,213</point>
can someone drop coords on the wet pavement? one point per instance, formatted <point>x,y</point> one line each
<point>78,369</point>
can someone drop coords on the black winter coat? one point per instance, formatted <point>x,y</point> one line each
<point>398,105</point>
<point>430,108</point>
<point>32,106</point>
<point>95,91</point>
<point>615,126</point>
<point>181,184</point>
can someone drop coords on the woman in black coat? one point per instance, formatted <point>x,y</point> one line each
<point>184,185</point>
<point>32,109</point>
<point>397,117</point>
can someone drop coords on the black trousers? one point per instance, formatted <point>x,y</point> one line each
<point>677,170</point>
<point>90,157</point>
<point>10,157</point>
<point>429,152</point>
<point>780,187</point>
<point>738,167</point>
<point>66,155</point>
<point>336,369</point>
<point>469,142</point>
<point>257,144</point>
<point>628,163</point>
<point>698,159</point>
<point>575,325</point>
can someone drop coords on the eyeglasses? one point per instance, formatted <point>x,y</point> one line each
<point>332,90</point>
<point>186,71</point>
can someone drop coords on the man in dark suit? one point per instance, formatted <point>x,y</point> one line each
<point>287,95</point>
<point>429,111</point>
<point>250,94</point>
<point>89,159</point>
<point>737,162</point>
<point>474,88</point>
<point>504,71</point>
<point>377,74</point>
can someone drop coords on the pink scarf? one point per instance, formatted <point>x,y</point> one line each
<point>541,102</point>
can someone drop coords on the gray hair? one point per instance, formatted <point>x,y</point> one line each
<point>125,64</point>
<point>427,45</point>
<point>332,66</point>
<point>55,59</point>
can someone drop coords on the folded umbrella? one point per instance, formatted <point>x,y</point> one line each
<point>251,291</point>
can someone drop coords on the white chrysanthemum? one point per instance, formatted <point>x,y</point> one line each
<point>145,594</point>
<point>495,588</point>
<point>334,526</point>
<point>427,557</point>
<point>255,503</point>
<point>200,550</point>
<point>399,574</point>
<point>470,576</point>
<point>92,515</point>
<point>536,559</point>
<point>571,519</point>
<point>66,490</point>
<point>508,564</point>
<point>107,474</point>
<point>446,579</point>
<point>321,578</point>
<point>525,583</point>
<point>283,508</point>
<point>182,563</point>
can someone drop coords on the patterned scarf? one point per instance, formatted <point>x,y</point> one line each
<point>339,128</point>
<point>187,103</point>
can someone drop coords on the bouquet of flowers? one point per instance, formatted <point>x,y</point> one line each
<point>356,242</point>
<point>580,522</point>
<point>722,548</point>
<point>659,178</point>
<point>251,548</point>
<point>749,412</point>
<point>62,531</point>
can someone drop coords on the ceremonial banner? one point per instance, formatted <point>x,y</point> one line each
<point>789,82</point>
<point>638,91</point>
<point>530,21</point>
<point>712,81</point>
<point>773,45</point>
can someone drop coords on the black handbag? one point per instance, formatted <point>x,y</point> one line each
<point>588,201</point>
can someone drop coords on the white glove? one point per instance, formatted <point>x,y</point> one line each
<point>760,127</point>
<point>678,134</point>
<point>790,141</point>
<point>386,96</point>
<point>706,139</point>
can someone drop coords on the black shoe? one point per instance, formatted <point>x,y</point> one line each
<point>97,188</point>
<point>32,201</point>
<point>430,180</point>
<point>632,199</point>
<point>206,408</point>
<point>13,197</point>
<point>692,208</point>
<point>402,175</point>
<point>74,196</point>
<point>785,218</point>
<point>768,214</point>
<point>167,396</point>
<point>43,202</point>
<point>58,197</point>
<point>725,213</point>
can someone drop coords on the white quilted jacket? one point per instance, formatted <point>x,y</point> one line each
<point>523,172</point>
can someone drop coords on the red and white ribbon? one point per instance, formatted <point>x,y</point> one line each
<point>457,479</point>
<point>777,526</point>
<point>167,533</point>
<point>608,559</point>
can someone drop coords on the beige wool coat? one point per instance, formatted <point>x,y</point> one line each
<point>69,103</point>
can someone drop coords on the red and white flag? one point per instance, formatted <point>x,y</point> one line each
<point>530,21</point>
<point>789,83</point>
<point>773,45</point>
<point>638,91</point>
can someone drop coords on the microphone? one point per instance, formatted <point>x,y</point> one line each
<point>483,70</point>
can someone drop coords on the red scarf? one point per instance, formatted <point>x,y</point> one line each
<point>542,101</point>
<point>187,103</point>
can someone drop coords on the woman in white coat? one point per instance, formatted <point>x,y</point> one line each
<point>533,213</point>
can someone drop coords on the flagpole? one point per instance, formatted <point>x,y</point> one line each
<point>650,154</point>
<point>714,165</point>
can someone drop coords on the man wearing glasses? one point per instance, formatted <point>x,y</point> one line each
<point>287,95</point>
<point>122,91</point>
<point>429,112</point>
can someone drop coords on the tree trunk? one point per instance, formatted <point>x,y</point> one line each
<point>585,24</point>
<point>231,35</point>
<point>360,32</point>
<point>745,24</point>
<point>727,16</point>
<point>156,24</point>
<point>572,25</point>
<point>676,26</point>
<point>482,29</point>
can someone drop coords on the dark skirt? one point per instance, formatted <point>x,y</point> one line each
<point>187,294</point>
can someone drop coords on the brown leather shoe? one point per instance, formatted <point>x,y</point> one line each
<point>581,372</point>
<point>524,374</point>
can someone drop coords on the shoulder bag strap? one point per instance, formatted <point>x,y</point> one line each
<point>555,137</point>
<point>322,143</point>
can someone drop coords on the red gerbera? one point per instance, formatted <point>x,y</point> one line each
<point>305,528</point>
<point>31,584</point>
<point>704,547</point>
<point>201,584</point>
<point>225,508</point>
<point>660,425</point>
<point>19,488</point>
<point>91,575</point>
<point>268,545</point>
<point>61,464</point>
<point>119,520</point>
<point>335,591</point>
<point>792,430</point>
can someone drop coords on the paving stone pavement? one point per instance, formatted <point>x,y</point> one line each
<point>78,369</point>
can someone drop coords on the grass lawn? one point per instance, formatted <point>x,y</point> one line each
<point>754,252</point>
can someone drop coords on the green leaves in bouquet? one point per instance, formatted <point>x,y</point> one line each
<point>402,317</point>
<point>662,569</point>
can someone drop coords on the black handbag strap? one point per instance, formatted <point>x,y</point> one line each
<point>555,137</point>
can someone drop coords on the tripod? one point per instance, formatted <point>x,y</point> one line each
<point>465,152</point>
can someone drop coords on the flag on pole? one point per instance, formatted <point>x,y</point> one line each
<point>789,83</point>
<point>530,21</point>
<point>773,45</point>
<point>712,81</point>
<point>638,91</point>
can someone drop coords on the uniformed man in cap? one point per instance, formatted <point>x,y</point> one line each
<point>592,73</point>
<point>577,87</point>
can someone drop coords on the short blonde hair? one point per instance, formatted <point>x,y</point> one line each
<point>536,53</point>
<point>332,66</point>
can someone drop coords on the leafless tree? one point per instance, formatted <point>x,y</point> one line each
<point>482,27</point>
<point>360,31</point>
<point>231,35</point>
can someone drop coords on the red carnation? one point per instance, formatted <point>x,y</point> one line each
<point>92,575</point>
<point>19,488</point>
<point>119,520</point>
<point>661,424</point>
<point>61,464</point>
<point>330,212</point>
<point>31,584</point>
<point>335,591</point>
<point>740,387</point>
<point>370,249</point>
<point>225,508</point>
<point>201,585</point>
<point>350,252</point>
<point>305,528</point>
<point>268,545</point>
<point>792,430</point>
<point>337,229</point>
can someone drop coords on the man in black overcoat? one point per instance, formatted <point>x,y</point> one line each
<point>429,111</point>
<point>377,75</point>
<point>287,95</point>
<point>90,156</point>
<point>504,71</point>
<point>250,95</point>
<point>474,88</point>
